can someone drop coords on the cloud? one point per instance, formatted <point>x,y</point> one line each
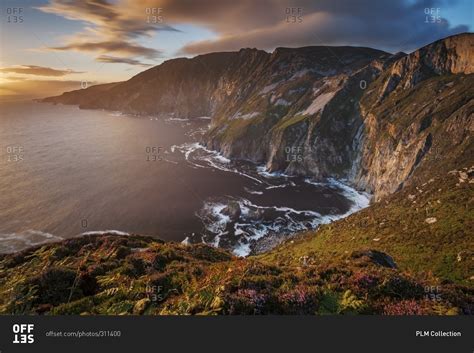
<point>119,47</point>
<point>389,25</point>
<point>386,24</point>
<point>109,27</point>
<point>112,19</point>
<point>116,60</point>
<point>14,78</point>
<point>37,71</point>
<point>28,89</point>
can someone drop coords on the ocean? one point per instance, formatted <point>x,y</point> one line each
<point>66,171</point>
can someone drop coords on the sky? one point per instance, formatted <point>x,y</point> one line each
<point>48,47</point>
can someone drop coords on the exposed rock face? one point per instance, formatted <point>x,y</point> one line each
<point>232,210</point>
<point>183,88</point>
<point>453,55</point>
<point>354,113</point>
<point>278,121</point>
<point>376,257</point>
<point>419,110</point>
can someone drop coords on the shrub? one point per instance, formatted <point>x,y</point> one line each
<point>404,307</point>
<point>300,300</point>
<point>402,288</point>
<point>245,302</point>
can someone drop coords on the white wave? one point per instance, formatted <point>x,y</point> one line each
<point>242,250</point>
<point>280,186</point>
<point>200,131</point>
<point>102,232</point>
<point>253,192</point>
<point>315,183</point>
<point>219,221</point>
<point>222,159</point>
<point>169,161</point>
<point>262,170</point>
<point>176,119</point>
<point>12,242</point>
<point>247,203</point>
<point>289,222</point>
<point>359,199</point>
<point>253,230</point>
<point>212,158</point>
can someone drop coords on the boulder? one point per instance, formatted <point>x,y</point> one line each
<point>232,210</point>
<point>256,215</point>
<point>376,257</point>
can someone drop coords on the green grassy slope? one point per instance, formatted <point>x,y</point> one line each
<point>123,275</point>
<point>400,226</point>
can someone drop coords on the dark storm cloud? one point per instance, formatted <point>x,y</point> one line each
<point>387,24</point>
<point>392,25</point>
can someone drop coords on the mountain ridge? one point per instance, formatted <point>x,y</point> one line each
<point>408,139</point>
<point>317,100</point>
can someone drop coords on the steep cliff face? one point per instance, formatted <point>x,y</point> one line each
<point>452,55</point>
<point>282,121</point>
<point>372,124</point>
<point>345,112</point>
<point>418,111</point>
<point>181,88</point>
<point>384,122</point>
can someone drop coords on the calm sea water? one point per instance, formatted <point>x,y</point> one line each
<point>66,171</point>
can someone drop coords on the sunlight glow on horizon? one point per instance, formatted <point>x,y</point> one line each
<point>56,35</point>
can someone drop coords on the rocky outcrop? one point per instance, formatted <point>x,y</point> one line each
<point>377,257</point>
<point>418,111</point>
<point>287,120</point>
<point>452,55</point>
<point>354,113</point>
